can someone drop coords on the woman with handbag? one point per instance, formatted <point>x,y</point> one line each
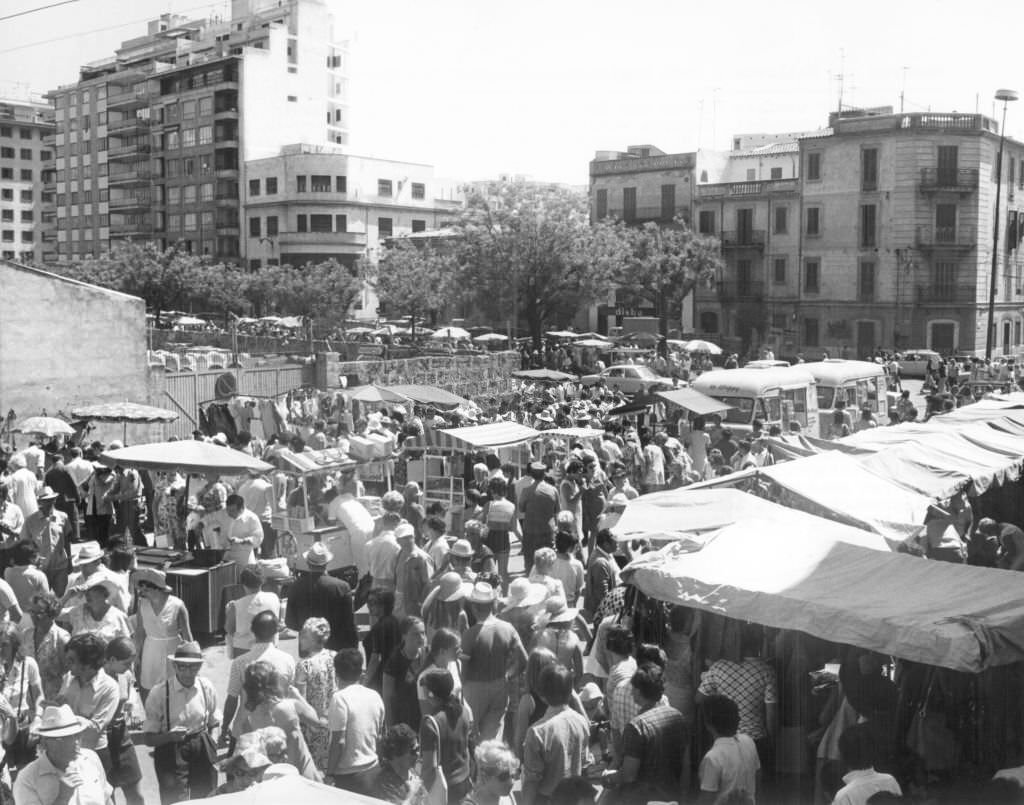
<point>21,691</point>
<point>181,712</point>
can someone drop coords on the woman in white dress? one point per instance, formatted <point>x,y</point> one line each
<point>161,626</point>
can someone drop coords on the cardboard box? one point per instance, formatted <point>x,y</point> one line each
<point>361,448</point>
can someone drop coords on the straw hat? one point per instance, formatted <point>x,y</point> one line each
<point>524,593</point>
<point>47,494</point>
<point>263,602</point>
<point>558,611</point>
<point>450,588</point>
<point>462,549</point>
<point>85,552</point>
<point>187,653</point>
<point>404,531</point>
<point>155,577</point>
<point>590,692</point>
<point>59,722</point>
<point>483,593</point>
<point>249,760</point>
<point>318,555</point>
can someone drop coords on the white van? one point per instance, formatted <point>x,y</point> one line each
<point>861,384</point>
<point>774,395</point>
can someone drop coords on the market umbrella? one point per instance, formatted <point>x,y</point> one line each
<point>123,412</point>
<point>491,337</point>
<point>588,335</point>
<point>642,336</point>
<point>549,375</point>
<point>561,334</point>
<point>429,395</point>
<point>190,320</point>
<point>376,394</point>
<point>596,343</point>
<point>450,332</point>
<point>186,456</point>
<point>700,345</point>
<point>47,426</point>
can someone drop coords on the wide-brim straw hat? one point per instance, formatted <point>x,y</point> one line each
<point>155,577</point>
<point>59,722</point>
<point>187,653</point>
<point>524,593</point>
<point>451,587</point>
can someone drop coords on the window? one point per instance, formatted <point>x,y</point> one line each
<point>866,281</point>
<point>944,281</point>
<point>7,153</point>
<point>602,204</point>
<point>26,134</point>
<point>293,99</point>
<point>668,202</point>
<point>8,236</point>
<point>751,174</point>
<point>206,191</point>
<point>811,338</point>
<point>813,221</point>
<point>384,228</point>
<point>25,153</point>
<point>188,167</point>
<point>188,110</point>
<point>340,184</point>
<point>271,185</point>
<point>813,173</point>
<point>419,190</point>
<point>320,223</point>
<point>945,223</point>
<point>205,135</point>
<point>384,187</point>
<point>7,173</point>
<point>300,223</point>
<point>341,223</point>
<point>25,196</point>
<point>188,138</point>
<point>271,226</point>
<point>207,219</point>
<point>300,184</point>
<point>254,187</point>
<point>706,222</point>
<point>26,174</point>
<point>172,140</point>
<point>7,216</point>
<point>189,194</point>
<point>205,106</point>
<point>779,321</point>
<point>320,184</point>
<point>776,173</point>
<point>868,238</point>
<point>629,204</point>
<point>190,222</point>
<point>419,225</point>
<point>812,268</point>
<point>174,195</point>
<point>779,271</point>
<point>254,227</point>
<point>781,220</point>
<point>5,131</point>
<point>47,156</point>
<point>6,194</point>
<point>948,159</point>
<point>869,169</point>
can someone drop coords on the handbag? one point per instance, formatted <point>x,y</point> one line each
<point>198,746</point>
<point>930,738</point>
<point>22,748</point>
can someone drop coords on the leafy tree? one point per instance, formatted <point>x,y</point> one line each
<point>414,279</point>
<point>532,248</point>
<point>666,263</point>
<point>323,291</point>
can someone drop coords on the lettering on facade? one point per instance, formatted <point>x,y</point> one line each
<point>639,164</point>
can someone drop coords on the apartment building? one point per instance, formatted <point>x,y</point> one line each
<point>149,144</point>
<point>24,160</point>
<point>312,203</point>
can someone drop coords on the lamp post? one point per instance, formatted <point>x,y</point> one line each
<point>1004,95</point>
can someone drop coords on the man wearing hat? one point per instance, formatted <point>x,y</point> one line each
<point>413,569</point>
<point>49,530</point>
<point>89,570</point>
<point>538,506</point>
<point>99,511</point>
<point>318,595</point>
<point>127,497</point>
<point>181,712</point>
<point>492,654</point>
<point>64,770</point>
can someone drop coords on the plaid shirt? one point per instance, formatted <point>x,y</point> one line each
<point>750,684</point>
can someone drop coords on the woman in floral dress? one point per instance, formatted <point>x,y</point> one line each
<point>169,489</point>
<point>314,679</point>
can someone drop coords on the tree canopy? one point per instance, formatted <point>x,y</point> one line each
<point>414,279</point>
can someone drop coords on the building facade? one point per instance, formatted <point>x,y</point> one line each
<point>25,213</point>
<point>312,203</point>
<point>149,145</point>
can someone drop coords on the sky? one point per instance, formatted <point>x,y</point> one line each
<point>482,88</point>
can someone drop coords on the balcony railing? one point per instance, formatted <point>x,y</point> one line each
<point>947,237</point>
<point>131,149</point>
<point>139,201</point>
<point>961,180</point>
<point>947,294</point>
<point>744,239</point>
<point>128,100</point>
<point>707,191</point>
<point>641,215</point>
<point>126,123</point>
<point>322,238</point>
<point>740,291</point>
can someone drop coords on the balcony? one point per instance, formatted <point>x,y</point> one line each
<point>128,100</point>
<point>744,239</point>
<point>643,215</point>
<point>357,239</point>
<point>946,237</point>
<point>947,294</point>
<point>129,151</point>
<point>50,139</point>
<point>128,229</point>
<point>128,124</point>
<point>734,189</point>
<point>740,291</point>
<point>49,235</point>
<point>957,180</point>
<point>140,201</point>
<point>141,175</point>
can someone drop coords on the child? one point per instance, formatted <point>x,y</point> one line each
<point>731,763</point>
<point>124,765</point>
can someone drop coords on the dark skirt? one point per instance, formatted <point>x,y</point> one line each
<point>498,541</point>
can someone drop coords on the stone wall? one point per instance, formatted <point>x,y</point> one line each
<point>470,376</point>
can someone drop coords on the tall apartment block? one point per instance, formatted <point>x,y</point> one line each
<point>24,159</point>
<point>150,144</point>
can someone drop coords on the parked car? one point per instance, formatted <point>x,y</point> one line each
<point>630,379</point>
<point>914,362</point>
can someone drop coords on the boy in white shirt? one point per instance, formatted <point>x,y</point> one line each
<point>731,763</point>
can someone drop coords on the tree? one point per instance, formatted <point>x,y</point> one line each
<point>414,279</point>
<point>323,291</point>
<point>666,263</point>
<point>532,248</point>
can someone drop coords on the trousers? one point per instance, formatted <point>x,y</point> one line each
<point>488,701</point>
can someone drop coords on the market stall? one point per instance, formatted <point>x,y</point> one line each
<point>123,413</point>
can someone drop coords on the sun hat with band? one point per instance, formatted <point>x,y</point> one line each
<point>85,552</point>
<point>47,494</point>
<point>462,549</point>
<point>187,654</point>
<point>59,722</point>
<point>558,611</point>
<point>524,593</point>
<point>482,593</point>
<point>450,588</point>
<point>318,555</point>
<point>149,575</point>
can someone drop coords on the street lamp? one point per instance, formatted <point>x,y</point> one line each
<point>1004,95</point>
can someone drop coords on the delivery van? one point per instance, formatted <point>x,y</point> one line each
<point>774,395</point>
<point>861,384</point>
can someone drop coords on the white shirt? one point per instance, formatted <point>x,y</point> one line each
<point>246,526</point>
<point>39,783</point>
<point>80,471</point>
<point>437,550</point>
<point>258,494</point>
<point>730,763</point>
<point>382,552</point>
<point>357,712</point>
<point>861,784</point>
<point>24,484</point>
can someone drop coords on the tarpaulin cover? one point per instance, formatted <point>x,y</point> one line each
<point>573,433</point>
<point>685,512</point>
<point>839,483</point>
<point>292,789</point>
<point>920,470</point>
<point>495,434</point>
<point>954,616</point>
<point>429,395</point>
<point>186,455</point>
<point>693,400</point>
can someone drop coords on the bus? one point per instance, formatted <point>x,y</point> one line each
<point>774,395</point>
<point>861,384</point>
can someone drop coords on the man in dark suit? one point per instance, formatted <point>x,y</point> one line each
<point>317,595</point>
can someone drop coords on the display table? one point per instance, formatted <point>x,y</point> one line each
<point>202,590</point>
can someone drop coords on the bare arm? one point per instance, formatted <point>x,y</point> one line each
<point>389,694</point>
<point>184,627</point>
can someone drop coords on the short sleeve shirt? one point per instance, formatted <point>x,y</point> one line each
<point>357,712</point>
<point>488,646</point>
<point>750,684</point>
